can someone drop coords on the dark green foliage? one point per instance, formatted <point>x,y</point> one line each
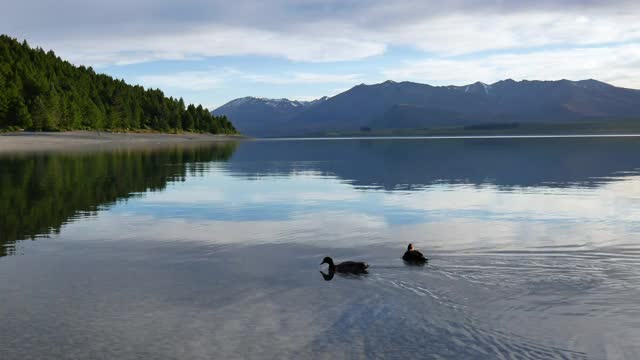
<point>39,193</point>
<point>39,91</point>
<point>4,109</point>
<point>18,114</point>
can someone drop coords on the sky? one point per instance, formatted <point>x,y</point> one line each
<point>210,52</point>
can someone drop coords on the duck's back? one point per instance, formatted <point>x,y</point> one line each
<point>414,256</point>
<point>352,266</point>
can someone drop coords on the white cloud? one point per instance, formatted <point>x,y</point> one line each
<point>214,79</point>
<point>213,41</point>
<point>303,78</point>
<point>335,32</point>
<point>619,65</point>
<point>190,80</point>
<point>463,34</point>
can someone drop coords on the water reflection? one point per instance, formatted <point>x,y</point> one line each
<point>549,162</point>
<point>328,275</point>
<point>430,183</point>
<point>213,253</point>
<point>41,192</point>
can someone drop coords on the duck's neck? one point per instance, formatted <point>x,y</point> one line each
<point>332,267</point>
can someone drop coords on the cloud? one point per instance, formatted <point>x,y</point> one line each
<point>216,78</point>
<point>471,33</point>
<point>303,78</point>
<point>212,41</point>
<point>124,32</point>
<point>189,80</point>
<point>619,65</point>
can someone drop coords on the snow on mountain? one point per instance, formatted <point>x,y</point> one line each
<point>276,103</point>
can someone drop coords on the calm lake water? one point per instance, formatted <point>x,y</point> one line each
<point>205,252</point>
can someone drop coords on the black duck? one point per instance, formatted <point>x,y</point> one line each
<point>349,267</point>
<point>414,256</point>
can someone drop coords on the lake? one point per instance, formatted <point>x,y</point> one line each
<point>213,251</point>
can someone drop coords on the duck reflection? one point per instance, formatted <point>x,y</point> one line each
<point>329,276</point>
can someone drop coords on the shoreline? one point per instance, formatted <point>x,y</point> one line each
<point>16,142</point>
<point>21,142</point>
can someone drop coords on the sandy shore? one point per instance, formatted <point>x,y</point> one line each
<point>87,140</point>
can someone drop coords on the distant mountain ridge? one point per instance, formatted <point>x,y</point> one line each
<point>263,117</point>
<point>409,105</point>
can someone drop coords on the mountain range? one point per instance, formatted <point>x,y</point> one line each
<point>407,105</point>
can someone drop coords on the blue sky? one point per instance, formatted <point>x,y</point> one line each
<point>210,52</point>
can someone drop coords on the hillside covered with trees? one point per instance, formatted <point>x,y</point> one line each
<point>41,92</point>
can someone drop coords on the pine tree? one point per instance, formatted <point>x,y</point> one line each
<point>19,114</point>
<point>39,115</point>
<point>4,109</point>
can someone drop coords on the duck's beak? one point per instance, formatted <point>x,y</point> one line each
<point>324,262</point>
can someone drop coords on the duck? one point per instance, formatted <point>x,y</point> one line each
<point>350,267</point>
<point>414,256</point>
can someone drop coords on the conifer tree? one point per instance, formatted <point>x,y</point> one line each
<point>18,114</point>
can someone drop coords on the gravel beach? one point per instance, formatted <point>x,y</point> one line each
<point>89,140</point>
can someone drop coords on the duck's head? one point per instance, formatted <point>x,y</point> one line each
<point>327,260</point>
<point>410,247</point>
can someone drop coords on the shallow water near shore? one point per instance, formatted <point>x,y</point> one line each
<point>213,251</point>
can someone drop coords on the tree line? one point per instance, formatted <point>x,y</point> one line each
<point>41,92</point>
